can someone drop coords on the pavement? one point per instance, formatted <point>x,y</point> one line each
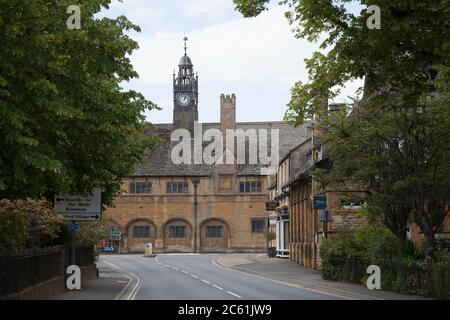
<point>291,273</point>
<point>215,277</point>
<point>112,284</point>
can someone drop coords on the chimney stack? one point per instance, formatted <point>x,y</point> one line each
<point>227,114</point>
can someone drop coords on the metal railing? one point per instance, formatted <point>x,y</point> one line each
<point>18,273</point>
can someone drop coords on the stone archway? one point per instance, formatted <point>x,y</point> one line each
<point>139,232</point>
<point>177,236</point>
<point>214,236</point>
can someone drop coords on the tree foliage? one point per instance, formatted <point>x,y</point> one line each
<point>400,155</point>
<point>91,232</point>
<point>66,123</point>
<point>28,224</point>
<point>414,35</point>
<point>396,139</point>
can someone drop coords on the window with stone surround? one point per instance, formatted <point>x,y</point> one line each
<point>177,232</point>
<point>141,231</point>
<point>177,187</point>
<point>140,187</point>
<point>214,232</point>
<point>250,186</point>
<point>257,225</point>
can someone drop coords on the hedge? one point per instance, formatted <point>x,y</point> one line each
<point>346,256</point>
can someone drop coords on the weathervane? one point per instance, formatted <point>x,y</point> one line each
<point>185,47</point>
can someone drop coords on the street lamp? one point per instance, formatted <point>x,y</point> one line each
<point>325,218</point>
<point>195,182</point>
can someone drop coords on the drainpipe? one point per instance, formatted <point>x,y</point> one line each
<point>195,182</point>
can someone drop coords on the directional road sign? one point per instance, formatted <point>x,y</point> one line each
<point>80,207</point>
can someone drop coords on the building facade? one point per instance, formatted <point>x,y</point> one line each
<point>197,207</point>
<point>298,188</point>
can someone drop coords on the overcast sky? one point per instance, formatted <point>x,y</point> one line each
<point>258,59</point>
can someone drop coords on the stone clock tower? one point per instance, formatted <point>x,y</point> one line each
<point>185,94</point>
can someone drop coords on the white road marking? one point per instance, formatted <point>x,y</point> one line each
<point>194,276</point>
<point>166,266</point>
<point>184,271</point>
<point>217,287</point>
<point>181,254</point>
<point>174,268</point>
<point>131,276</point>
<point>344,297</point>
<point>205,281</point>
<point>234,294</point>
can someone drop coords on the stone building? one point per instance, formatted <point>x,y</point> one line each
<point>295,189</point>
<point>197,207</point>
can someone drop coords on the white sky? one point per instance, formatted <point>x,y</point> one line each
<point>258,59</point>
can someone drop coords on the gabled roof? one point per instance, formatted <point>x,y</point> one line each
<point>157,162</point>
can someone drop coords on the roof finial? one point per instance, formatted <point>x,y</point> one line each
<point>185,47</point>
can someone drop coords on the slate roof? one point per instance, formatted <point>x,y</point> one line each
<point>157,162</point>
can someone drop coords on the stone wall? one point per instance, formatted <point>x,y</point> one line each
<point>233,210</point>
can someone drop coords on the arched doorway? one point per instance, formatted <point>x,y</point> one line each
<point>177,236</point>
<point>139,232</point>
<point>214,236</point>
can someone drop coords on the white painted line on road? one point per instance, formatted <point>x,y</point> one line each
<point>305,288</point>
<point>205,281</point>
<point>217,287</point>
<point>133,296</point>
<point>194,276</point>
<point>180,254</point>
<point>131,276</point>
<point>166,265</point>
<point>234,294</point>
<point>184,271</point>
<point>174,268</point>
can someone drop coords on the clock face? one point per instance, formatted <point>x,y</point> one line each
<point>183,99</point>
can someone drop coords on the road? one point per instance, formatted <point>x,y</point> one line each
<point>197,277</point>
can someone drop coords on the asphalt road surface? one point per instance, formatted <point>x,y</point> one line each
<point>197,277</point>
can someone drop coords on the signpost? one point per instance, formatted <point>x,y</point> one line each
<point>74,226</point>
<point>319,202</point>
<point>80,207</point>
<point>115,233</point>
<point>271,205</point>
<point>75,207</point>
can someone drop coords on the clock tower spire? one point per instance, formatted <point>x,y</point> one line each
<point>185,94</point>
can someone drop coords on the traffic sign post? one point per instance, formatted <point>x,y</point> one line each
<point>73,245</point>
<point>80,207</point>
<point>75,208</point>
<point>115,233</point>
<point>74,226</point>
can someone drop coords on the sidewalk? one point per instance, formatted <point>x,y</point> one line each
<point>108,286</point>
<point>291,273</point>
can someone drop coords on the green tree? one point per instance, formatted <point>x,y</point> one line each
<point>394,141</point>
<point>66,123</point>
<point>90,233</point>
<point>413,38</point>
<point>398,154</point>
<point>28,224</point>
